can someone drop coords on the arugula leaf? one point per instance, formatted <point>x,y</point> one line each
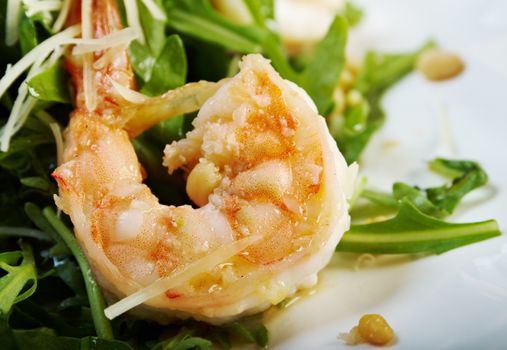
<point>320,76</point>
<point>467,175</point>
<point>27,34</point>
<point>12,231</point>
<point>97,303</point>
<point>256,333</point>
<point>412,231</point>
<point>376,75</point>
<point>437,201</point>
<point>417,197</point>
<point>184,341</point>
<point>35,215</point>
<point>200,20</point>
<point>46,338</point>
<point>142,57</point>
<point>169,69</point>
<point>142,61</point>
<point>153,29</point>
<point>353,14</point>
<point>51,85</point>
<point>261,10</point>
<point>17,277</point>
<point>416,228</point>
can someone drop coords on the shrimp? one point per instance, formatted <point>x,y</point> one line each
<point>269,185</point>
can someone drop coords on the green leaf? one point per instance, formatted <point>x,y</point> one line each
<point>169,70</point>
<point>377,74</point>
<point>412,231</point>
<point>184,341</point>
<point>35,215</point>
<point>17,277</point>
<point>27,34</point>
<point>250,332</point>
<point>153,29</point>
<point>198,19</point>
<point>261,10</point>
<point>142,60</point>
<point>36,182</point>
<point>70,273</point>
<point>416,197</point>
<point>97,303</point>
<point>437,201</point>
<point>353,14</point>
<point>51,85</point>
<point>45,338</point>
<point>11,231</point>
<point>320,77</point>
<point>142,57</point>
<point>468,176</point>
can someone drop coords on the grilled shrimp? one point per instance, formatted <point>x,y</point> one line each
<point>268,183</point>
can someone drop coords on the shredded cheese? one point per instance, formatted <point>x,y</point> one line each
<point>119,38</point>
<point>132,12</point>
<point>155,11</point>
<point>34,7</point>
<point>19,112</point>
<point>12,18</point>
<point>128,94</point>
<point>57,133</point>
<point>62,16</point>
<point>22,106</point>
<point>90,95</point>
<point>35,60</point>
<point>109,56</point>
<point>178,278</point>
<point>44,48</point>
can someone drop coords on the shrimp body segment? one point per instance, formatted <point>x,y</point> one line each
<point>260,163</point>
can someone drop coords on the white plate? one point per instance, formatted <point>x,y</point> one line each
<point>457,300</point>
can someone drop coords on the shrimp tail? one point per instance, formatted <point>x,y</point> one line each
<point>107,78</point>
<point>105,20</point>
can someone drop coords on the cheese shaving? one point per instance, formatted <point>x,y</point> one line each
<point>35,59</point>
<point>109,56</point>
<point>119,38</point>
<point>179,277</point>
<point>35,7</point>
<point>132,12</point>
<point>62,16</point>
<point>19,112</point>
<point>12,19</point>
<point>44,48</point>
<point>90,95</point>
<point>57,133</point>
<point>128,94</point>
<point>155,11</point>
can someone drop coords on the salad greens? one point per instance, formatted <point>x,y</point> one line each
<point>412,231</point>
<point>97,303</point>
<point>377,74</point>
<point>49,298</point>
<point>436,201</point>
<point>13,283</point>
<point>417,227</point>
<point>51,85</point>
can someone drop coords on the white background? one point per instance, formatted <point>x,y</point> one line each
<point>457,300</point>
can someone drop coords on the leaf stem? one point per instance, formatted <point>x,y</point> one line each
<point>97,303</point>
